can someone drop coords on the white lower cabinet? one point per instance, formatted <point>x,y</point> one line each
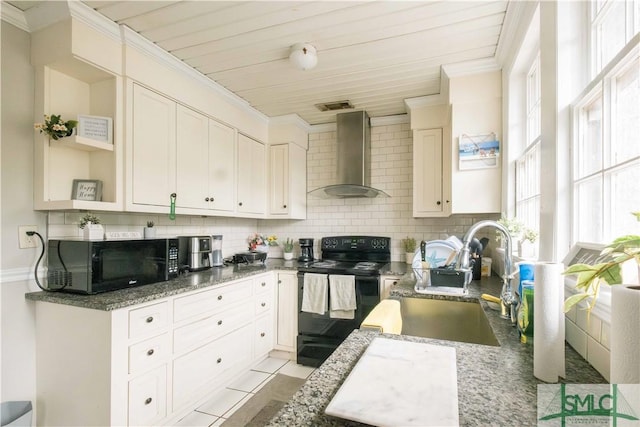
<point>287,312</point>
<point>153,363</point>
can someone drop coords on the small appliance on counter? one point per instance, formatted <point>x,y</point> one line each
<point>306,250</point>
<point>216,251</point>
<point>195,252</point>
<point>94,266</point>
<point>248,258</point>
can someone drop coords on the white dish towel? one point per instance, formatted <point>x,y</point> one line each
<point>342,296</point>
<point>314,293</point>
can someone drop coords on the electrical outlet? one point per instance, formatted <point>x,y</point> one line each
<point>27,241</point>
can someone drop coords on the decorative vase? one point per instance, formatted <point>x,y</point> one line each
<point>526,249</point>
<point>288,256</point>
<point>625,340</point>
<point>149,232</point>
<point>409,257</point>
<point>93,232</point>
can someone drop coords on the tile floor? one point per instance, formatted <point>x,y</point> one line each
<point>226,402</point>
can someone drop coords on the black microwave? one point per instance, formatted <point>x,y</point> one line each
<point>94,266</point>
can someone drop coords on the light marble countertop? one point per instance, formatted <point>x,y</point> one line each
<point>496,385</point>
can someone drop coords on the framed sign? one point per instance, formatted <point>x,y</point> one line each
<point>86,189</point>
<point>96,128</point>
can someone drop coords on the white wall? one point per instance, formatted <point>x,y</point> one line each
<point>18,346</point>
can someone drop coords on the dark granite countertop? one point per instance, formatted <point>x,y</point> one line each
<point>496,385</point>
<point>114,300</point>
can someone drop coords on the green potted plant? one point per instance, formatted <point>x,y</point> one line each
<point>409,245</point>
<point>91,227</point>
<point>287,247</point>
<point>55,127</point>
<point>625,302</point>
<point>526,248</point>
<point>514,226</point>
<point>149,231</point>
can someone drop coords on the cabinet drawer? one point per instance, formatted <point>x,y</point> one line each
<point>263,284</point>
<point>148,353</point>
<point>148,320</point>
<point>203,331</point>
<point>263,335</point>
<point>148,398</point>
<point>212,301</point>
<point>264,303</point>
<point>194,372</point>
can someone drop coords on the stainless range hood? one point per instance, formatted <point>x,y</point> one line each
<point>354,160</point>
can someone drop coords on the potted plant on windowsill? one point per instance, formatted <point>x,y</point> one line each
<point>91,228</point>
<point>625,302</point>
<point>526,243</point>
<point>287,247</point>
<point>409,245</point>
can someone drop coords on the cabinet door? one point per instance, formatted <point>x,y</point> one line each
<point>192,135</point>
<point>154,147</point>
<point>427,173</point>
<point>251,176</point>
<point>287,312</point>
<point>222,167</point>
<point>279,179</point>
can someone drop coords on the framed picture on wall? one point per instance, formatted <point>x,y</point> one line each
<point>86,189</point>
<point>478,151</point>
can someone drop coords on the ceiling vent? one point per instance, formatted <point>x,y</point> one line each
<point>333,106</point>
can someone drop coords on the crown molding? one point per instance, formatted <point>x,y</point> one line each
<point>467,68</point>
<point>323,127</point>
<point>390,120</point>
<point>290,119</point>
<point>517,17</point>
<point>14,16</point>
<point>95,20</point>
<point>133,39</point>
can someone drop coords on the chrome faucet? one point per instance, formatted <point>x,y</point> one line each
<point>508,300</point>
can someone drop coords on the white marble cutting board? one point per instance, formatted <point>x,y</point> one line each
<point>400,383</point>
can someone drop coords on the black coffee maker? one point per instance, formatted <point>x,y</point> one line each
<point>306,250</point>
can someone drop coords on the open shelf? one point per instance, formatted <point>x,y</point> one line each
<point>80,143</point>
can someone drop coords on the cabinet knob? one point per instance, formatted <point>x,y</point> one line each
<point>279,282</point>
<point>150,352</point>
<point>219,360</point>
<point>240,204</point>
<point>149,319</point>
<point>395,282</point>
<point>206,199</point>
<point>219,322</point>
<point>263,304</point>
<point>262,334</point>
<point>447,201</point>
<point>438,203</point>
<point>263,284</point>
<point>219,297</point>
<point>148,400</point>
<point>211,198</point>
<point>284,206</point>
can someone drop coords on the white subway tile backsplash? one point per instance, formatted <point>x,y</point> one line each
<point>577,338</point>
<point>599,357</point>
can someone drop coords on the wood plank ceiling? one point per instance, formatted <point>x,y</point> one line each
<point>373,53</point>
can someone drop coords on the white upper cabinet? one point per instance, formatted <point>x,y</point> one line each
<point>222,167</point>
<point>428,195</point>
<point>192,132</point>
<point>153,148</point>
<point>287,181</point>
<point>251,176</point>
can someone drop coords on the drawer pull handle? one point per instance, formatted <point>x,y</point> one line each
<point>262,334</point>
<point>219,360</point>
<point>149,319</point>
<point>148,400</point>
<point>263,304</point>
<point>150,352</point>
<point>219,322</point>
<point>219,297</point>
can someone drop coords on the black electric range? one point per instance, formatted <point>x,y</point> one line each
<point>359,256</point>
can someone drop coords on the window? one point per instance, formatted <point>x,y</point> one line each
<point>606,171</point>
<point>613,24</point>
<point>528,164</point>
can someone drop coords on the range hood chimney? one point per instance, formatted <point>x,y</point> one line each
<point>354,160</point>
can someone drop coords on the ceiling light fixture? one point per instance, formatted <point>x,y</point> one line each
<point>303,56</point>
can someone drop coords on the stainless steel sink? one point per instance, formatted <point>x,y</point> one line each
<point>447,320</point>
